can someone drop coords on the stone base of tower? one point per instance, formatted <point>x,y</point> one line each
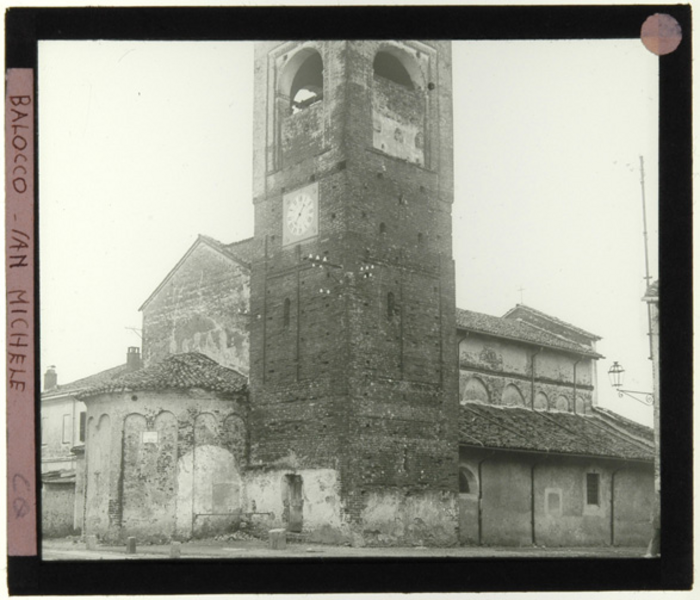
<point>305,501</point>
<point>309,502</point>
<point>393,517</point>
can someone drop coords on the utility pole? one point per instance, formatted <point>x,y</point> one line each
<point>647,277</point>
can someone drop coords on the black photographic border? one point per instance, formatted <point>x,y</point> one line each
<point>673,570</point>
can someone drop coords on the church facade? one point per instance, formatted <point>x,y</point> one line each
<point>332,386</point>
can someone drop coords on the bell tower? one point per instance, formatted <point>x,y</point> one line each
<point>353,353</point>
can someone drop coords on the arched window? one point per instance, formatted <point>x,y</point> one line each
<point>562,404</point>
<point>301,79</point>
<point>541,402</point>
<point>307,85</point>
<point>512,396</point>
<point>390,305</point>
<point>580,405</point>
<point>467,481</point>
<point>390,67</point>
<point>475,391</point>
<point>286,311</point>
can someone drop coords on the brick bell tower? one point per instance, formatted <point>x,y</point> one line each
<point>354,370</point>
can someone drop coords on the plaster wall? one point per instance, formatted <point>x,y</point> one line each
<point>398,116</point>
<point>505,488</point>
<point>515,358</point>
<point>99,473</point>
<point>395,517</point>
<point>57,509</point>
<point>563,514</point>
<point>60,431</point>
<point>575,522</point>
<point>266,494</point>
<point>501,365</point>
<point>634,487</point>
<point>141,461</point>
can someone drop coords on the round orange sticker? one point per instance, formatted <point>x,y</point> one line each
<point>661,34</point>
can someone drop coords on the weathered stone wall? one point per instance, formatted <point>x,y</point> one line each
<point>501,366</point>
<point>302,133</point>
<point>57,500</point>
<point>79,490</point>
<point>364,379</point>
<point>267,496</point>
<point>100,472</point>
<point>398,120</point>
<point>632,516</point>
<point>562,514</point>
<point>164,464</point>
<point>198,309</point>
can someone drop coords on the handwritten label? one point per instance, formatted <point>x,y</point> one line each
<point>19,306</point>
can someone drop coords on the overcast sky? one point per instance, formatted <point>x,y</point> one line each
<point>145,145</point>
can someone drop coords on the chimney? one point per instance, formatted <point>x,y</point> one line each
<point>50,379</point>
<point>133,358</point>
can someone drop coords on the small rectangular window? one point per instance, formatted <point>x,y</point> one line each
<point>83,416</point>
<point>593,488</point>
<point>553,502</point>
<point>67,429</point>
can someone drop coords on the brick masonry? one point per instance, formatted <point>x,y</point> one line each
<point>352,380</point>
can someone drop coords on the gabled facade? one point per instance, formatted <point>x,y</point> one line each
<point>202,306</point>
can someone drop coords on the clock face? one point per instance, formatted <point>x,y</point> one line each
<point>300,214</point>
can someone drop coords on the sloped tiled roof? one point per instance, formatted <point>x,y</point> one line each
<point>618,421</point>
<point>516,330</point>
<point>101,378</point>
<point>242,249</point>
<point>178,371</point>
<point>511,428</point>
<point>539,313</point>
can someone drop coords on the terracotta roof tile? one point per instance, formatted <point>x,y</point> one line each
<point>241,251</point>
<point>539,313</point>
<point>516,330</point>
<point>178,371</point>
<point>631,427</point>
<point>562,433</point>
<point>101,378</point>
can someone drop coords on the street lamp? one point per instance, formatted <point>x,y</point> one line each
<point>616,373</point>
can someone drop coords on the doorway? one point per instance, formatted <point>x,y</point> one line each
<point>294,503</point>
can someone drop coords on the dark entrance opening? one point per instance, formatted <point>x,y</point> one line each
<point>294,503</point>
